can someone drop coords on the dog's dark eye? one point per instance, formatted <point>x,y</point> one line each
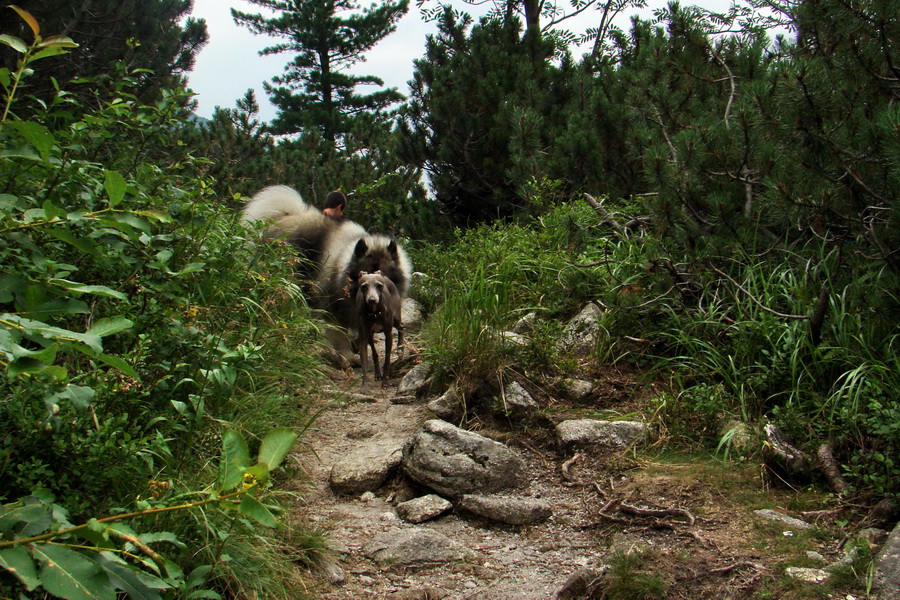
<point>380,286</point>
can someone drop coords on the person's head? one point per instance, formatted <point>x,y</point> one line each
<point>335,204</point>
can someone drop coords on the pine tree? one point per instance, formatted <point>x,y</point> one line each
<point>481,115</point>
<point>326,38</point>
<point>141,34</point>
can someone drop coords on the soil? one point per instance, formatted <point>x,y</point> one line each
<point>687,526</point>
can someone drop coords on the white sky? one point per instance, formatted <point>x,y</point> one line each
<point>230,63</point>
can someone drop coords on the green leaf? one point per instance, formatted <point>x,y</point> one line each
<point>86,245</point>
<point>110,325</point>
<point>56,41</point>
<point>115,187</point>
<point>13,42</point>
<point>89,344</point>
<point>68,574</point>
<point>275,446</point>
<point>235,458</point>
<point>17,561</point>
<point>28,18</point>
<point>11,284</point>
<point>25,519</point>
<point>118,363</point>
<point>137,584</point>
<point>45,355</point>
<point>31,366</point>
<point>80,396</point>
<point>80,288</point>
<point>37,135</point>
<point>257,511</point>
<point>60,306</point>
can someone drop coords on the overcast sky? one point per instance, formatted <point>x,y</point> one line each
<point>230,63</point>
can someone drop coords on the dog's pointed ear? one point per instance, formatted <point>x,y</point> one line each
<point>393,250</point>
<point>361,248</point>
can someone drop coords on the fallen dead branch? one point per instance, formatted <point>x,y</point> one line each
<point>831,469</point>
<point>657,513</point>
<point>567,466</point>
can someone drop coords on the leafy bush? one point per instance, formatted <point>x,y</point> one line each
<point>136,318</point>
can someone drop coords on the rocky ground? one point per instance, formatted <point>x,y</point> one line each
<point>655,527</point>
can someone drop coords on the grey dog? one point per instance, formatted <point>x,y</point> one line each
<point>377,309</point>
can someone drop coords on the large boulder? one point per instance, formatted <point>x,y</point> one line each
<point>454,462</point>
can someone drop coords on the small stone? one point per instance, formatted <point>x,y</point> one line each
<point>808,575</point>
<point>424,508</point>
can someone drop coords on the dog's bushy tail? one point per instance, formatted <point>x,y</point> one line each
<point>274,202</point>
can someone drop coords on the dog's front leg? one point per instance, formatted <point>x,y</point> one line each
<point>375,358</point>
<point>388,344</point>
<point>364,336</point>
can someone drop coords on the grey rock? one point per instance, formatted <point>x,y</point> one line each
<point>447,405</point>
<point>845,561</point>
<point>507,509</point>
<point>415,380</point>
<point>807,575</point>
<point>740,437</point>
<point>402,547</point>
<point>517,401</point>
<point>411,314</point>
<point>511,339</point>
<point>580,583</point>
<point>368,466</point>
<point>525,324</point>
<point>423,508</point>
<point>774,515</point>
<point>887,567</point>
<point>576,389</point>
<point>454,462</point>
<point>333,572</point>
<point>582,333</point>
<point>584,433</point>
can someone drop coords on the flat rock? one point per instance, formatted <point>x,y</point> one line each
<point>455,462</point>
<point>774,515</point>
<point>402,547</point>
<point>423,508</point>
<point>506,509</point>
<point>586,433</point>
<point>368,466</point>
<point>807,575</point>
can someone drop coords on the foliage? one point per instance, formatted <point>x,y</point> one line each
<point>43,549</point>
<point>156,35</point>
<point>135,320</point>
<point>477,120</point>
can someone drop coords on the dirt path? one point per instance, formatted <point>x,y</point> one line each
<point>706,551</point>
<point>515,563</point>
